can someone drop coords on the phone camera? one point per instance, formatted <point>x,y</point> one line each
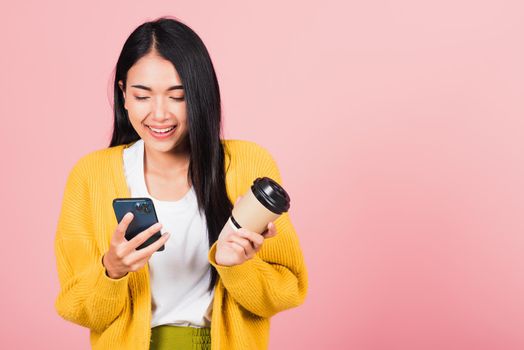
<point>143,207</point>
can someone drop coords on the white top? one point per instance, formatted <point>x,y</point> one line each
<point>180,274</point>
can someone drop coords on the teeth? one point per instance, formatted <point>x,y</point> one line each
<point>161,130</point>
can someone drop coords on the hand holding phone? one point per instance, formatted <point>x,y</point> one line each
<point>144,213</point>
<point>123,255</point>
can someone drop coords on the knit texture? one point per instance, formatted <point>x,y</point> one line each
<point>118,311</point>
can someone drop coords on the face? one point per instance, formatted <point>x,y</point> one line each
<point>155,102</point>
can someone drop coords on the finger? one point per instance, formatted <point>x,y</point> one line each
<point>254,237</point>
<point>150,249</point>
<point>240,236</point>
<point>238,199</point>
<point>122,226</point>
<point>271,231</point>
<point>239,250</point>
<point>244,243</point>
<point>143,236</point>
<point>138,264</point>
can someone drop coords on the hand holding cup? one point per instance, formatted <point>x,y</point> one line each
<point>235,246</point>
<point>122,256</point>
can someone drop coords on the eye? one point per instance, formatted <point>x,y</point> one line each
<point>141,97</point>
<point>178,98</point>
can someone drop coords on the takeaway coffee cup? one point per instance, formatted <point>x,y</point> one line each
<point>265,201</point>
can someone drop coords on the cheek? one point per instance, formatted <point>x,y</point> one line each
<point>136,115</point>
<point>137,110</point>
<point>137,125</point>
<point>182,113</point>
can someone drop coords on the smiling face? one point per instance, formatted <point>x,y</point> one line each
<point>155,103</point>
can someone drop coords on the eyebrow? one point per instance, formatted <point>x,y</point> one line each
<point>174,87</point>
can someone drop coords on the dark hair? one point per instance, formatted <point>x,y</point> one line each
<point>180,45</point>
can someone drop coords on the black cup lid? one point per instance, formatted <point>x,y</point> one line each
<point>271,195</point>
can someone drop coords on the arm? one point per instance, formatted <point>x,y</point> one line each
<point>275,279</point>
<point>87,296</point>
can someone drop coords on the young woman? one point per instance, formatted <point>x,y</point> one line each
<point>211,287</point>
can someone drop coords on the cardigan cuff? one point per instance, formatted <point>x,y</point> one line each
<point>244,276</point>
<point>107,287</point>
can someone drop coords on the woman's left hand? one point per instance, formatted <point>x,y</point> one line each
<point>236,247</point>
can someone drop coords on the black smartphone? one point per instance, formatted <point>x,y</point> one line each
<point>144,216</point>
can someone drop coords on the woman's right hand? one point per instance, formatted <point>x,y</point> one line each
<point>122,256</point>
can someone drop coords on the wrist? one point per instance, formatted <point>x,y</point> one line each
<point>109,273</point>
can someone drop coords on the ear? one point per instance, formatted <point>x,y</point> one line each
<point>121,85</point>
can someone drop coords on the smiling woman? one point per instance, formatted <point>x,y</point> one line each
<point>157,109</point>
<point>209,287</point>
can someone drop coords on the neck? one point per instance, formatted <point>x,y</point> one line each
<point>166,163</point>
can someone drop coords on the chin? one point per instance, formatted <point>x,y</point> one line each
<point>162,146</point>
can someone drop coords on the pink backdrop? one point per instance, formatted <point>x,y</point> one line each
<point>397,125</point>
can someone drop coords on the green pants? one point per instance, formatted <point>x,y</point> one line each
<point>166,337</point>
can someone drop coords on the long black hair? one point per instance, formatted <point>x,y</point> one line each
<point>179,44</point>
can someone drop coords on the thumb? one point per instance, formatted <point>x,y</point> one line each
<point>120,231</point>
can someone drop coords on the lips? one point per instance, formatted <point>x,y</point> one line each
<point>161,133</point>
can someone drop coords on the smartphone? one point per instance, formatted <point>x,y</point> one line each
<point>144,213</point>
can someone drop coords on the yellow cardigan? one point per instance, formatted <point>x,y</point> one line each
<point>118,311</point>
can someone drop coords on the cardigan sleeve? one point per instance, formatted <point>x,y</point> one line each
<point>275,279</point>
<point>87,296</point>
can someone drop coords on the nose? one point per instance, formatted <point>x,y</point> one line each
<point>159,112</point>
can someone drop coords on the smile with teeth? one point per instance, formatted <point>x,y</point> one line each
<point>161,131</point>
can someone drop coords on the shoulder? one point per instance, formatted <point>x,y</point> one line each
<point>244,148</point>
<point>96,161</point>
<point>251,158</point>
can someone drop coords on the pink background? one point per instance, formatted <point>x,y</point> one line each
<point>397,125</point>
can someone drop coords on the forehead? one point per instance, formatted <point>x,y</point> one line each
<point>154,71</point>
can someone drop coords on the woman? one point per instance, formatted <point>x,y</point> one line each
<point>211,287</point>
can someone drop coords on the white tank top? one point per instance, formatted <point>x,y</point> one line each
<point>180,274</point>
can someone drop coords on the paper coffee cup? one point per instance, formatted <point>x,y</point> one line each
<point>264,202</point>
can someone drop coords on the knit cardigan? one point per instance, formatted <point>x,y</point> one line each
<point>118,311</point>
